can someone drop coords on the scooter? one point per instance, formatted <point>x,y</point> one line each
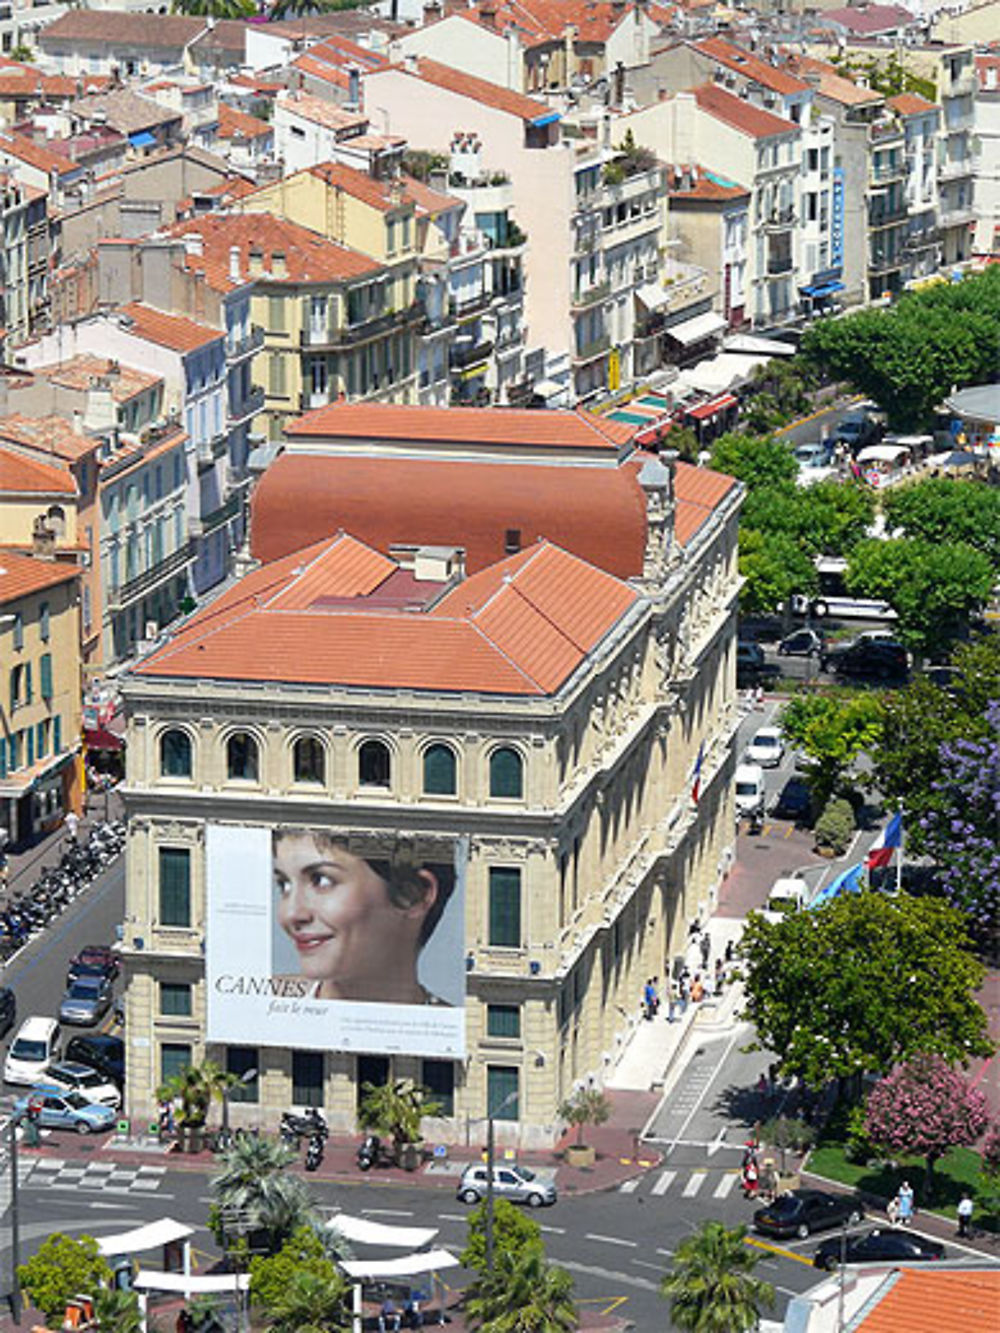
<point>295,1127</point>
<point>371,1152</point>
<point>314,1153</point>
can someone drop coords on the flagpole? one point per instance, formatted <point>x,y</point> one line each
<point>899,855</point>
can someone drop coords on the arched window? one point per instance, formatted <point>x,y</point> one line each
<point>440,770</point>
<point>175,754</point>
<point>308,760</point>
<point>241,757</point>
<point>506,773</point>
<point>374,764</point>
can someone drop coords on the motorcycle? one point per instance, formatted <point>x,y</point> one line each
<point>295,1127</point>
<point>373,1152</point>
<point>314,1152</point>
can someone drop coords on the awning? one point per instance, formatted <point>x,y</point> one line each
<point>654,433</point>
<point>142,139</point>
<point>411,1265</point>
<point>97,738</point>
<point>148,1237</point>
<point>883,453</point>
<point>754,346</point>
<point>696,330</point>
<point>714,405</point>
<point>24,779</point>
<point>822,289</point>
<point>212,1284</point>
<point>261,458</point>
<point>547,388</point>
<point>361,1231</point>
<point>651,296</point>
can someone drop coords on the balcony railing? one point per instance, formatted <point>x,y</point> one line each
<point>955,170</point>
<point>588,350</point>
<point>467,354</point>
<point>362,331</point>
<point>881,130</point>
<point>887,216</point>
<point>889,171</point>
<point>957,217</point>
<point>885,261</point>
<point>250,406</point>
<point>922,240</point>
<point>241,347</point>
<point>586,296</point>
<point>123,594</point>
<point>779,219</point>
<point>473,306</point>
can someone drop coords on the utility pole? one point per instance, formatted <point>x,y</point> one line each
<point>15,1221</point>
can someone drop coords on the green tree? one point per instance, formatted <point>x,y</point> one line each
<point>523,1294</point>
<point>196,1086</point>
<point>291,9</point>
<point>945,511</point>
<point>311,1302</point>
<point>934,589</point>
<point>826,519</point>
<point>831,729</point>
<point>587,1106</point>
<point>754,460</point>
<point>60,1268</point>
<point>215,9</point>
<point>254,1192</point>
<point>711,1287</point>
<point>774,567</point>
<point>862,983</point>
<point>513,1231</point>
<point>395,1110</point>
<point>272,1276</point>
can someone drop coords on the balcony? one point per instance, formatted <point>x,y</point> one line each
<point>779,264</point>
<point>218,518</point>
<point>121,595</point>
<point>250,407</point>
<point>779,219</point>
<point>475,305</point>
<point>921,240</point>
<point>588,296</point>
<point>889,215</point>
<point>882,131</point>
<point>960,216</point>
<point>359,331</point>
<point>595,347</point>
<point>240,348</point>
<point>468,354</point>
<point>888,171</point>
<point>207,451</point>
<point>957,169</point>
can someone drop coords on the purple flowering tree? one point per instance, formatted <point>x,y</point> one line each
<point>961,830</point>
<point>922,1109</point>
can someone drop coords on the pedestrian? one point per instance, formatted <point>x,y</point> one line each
<point>656,996</point>
<point>648,998</point>
<point>72,822</point>
<point>697,989</point>
<point>751,1179</point>
<point>705,944</point>
<point>892,1211</point>
<point>758,697</point>
<point>964,1211</point>
<point>388,1317</point>
<point>905,1203</point>
<point>730,951</point>
<point>684,988</point>
<point>707,984</point>
<point>768,1184</point>
<point>720,975</point>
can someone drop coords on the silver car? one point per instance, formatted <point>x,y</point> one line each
<point>86,1001</point>
<point>516,1183</point>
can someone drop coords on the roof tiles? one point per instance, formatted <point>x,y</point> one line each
<point>21,575</point>
<point>929,1302</point>
<point>176,332</point>
<point>483,425</point>
<point>740,115</point>
<point>28,476</point>
<point>492,95</point>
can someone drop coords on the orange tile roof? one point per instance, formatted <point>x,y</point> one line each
<point>42,159</point>
<point>526,638</point>
<point>931,1302</point>
<point>912,104</point>
<point>707,185</point>
<point>175,332</point>
<point>52,435</point>
<point>327,114</point>
<point>541,21</point>
<point>358,184</point>
<point>479,90</point>
<point>238,124</point>
<point>80,372</point>
<point>308,256</point>
<point>28,476</point>
<point>833,84</point>
<point>21,574</point>
<point>734,111</point>
<point>477,425</point>
<point>755,69</point>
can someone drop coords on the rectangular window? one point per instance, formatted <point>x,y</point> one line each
<point>18,631</point>
<point>276,314</point>
<point>175,886</point>
<point>505,907</point>
<point>502,1096</point>
<point>175,1057</point>
<point>45,675</point>
<point>175,999</point>
<point>42,739</point>
<point>244,1063</point>
<point>438,1077</point>
<point>307,1078</point>
<point>276,378</point>
<point>503,1020</point>
<point>43,622</point>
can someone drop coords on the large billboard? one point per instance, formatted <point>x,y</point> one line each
<point>323,939</point>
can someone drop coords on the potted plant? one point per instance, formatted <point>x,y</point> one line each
<point>194,1086</point>
<point>587,1106</point>
<point>395,1110</point>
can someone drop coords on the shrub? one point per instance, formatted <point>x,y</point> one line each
<point>858,1146</point>
<point>787,1131</point>
<point>835,826</point>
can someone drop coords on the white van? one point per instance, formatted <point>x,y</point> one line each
<point>37,1043</point>
<point>787,896</point>
<point>749,789</point>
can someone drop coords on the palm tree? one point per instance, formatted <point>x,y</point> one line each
<point>711,1288</point>
<point>524,1294</point>
<point>117,1311</point>
<point>254,1190</point>
<point>215,9</point>
<point>196,1086</point>
<point>310,1303</point>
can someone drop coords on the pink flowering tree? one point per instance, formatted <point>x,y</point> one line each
<point>922,1109</point>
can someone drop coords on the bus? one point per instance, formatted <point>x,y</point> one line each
<point>834,601</point>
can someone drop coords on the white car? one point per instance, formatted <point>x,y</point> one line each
<point>786,896</point>
<point>749,790</point>
<point>69,1076</point>
<point>766,748</point>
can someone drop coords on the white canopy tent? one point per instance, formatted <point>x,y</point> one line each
<point>211,1284</point>
<point>148,1237</point>
<point>410,1265</point>
<point>362,1231</point>
<point>884,453</point>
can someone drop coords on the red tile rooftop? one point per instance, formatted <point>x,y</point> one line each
<point>21,575</point>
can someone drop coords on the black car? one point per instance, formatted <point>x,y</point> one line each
<point>878,1246</point>
<point>751,668</point>
<point>8,1010</point>
<point>801,1212</point>
<point>878,659</point>
<point>794,801</point>
<point>857,429</point>
<point>104,1053</point>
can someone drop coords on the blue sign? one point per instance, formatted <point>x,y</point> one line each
<point>837,219</point>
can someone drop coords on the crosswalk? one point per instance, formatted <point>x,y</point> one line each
<point>718,1184</point>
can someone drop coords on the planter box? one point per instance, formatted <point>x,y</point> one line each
<point>579,1154</point>
<point>191,1138</point>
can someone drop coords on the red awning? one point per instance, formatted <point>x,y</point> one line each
<point>99,739</point>
<point>712,407</point>
<point>652,434</point>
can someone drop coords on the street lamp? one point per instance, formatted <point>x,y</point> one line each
<point>242,1080</point>
<point>494,1112</point>
<point>16,1117</point>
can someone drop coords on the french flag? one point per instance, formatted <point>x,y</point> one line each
<point>696,785</point>
<point>890,840</point>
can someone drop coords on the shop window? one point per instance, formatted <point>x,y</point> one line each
<point>175,754</point>
<point>438,1077</point>
<point>374,764</point>
<point>309,760</point>
<point>308,1075</point>
<point>440,771</point>
<point>175,886</point>
<point>506,774</point>
<point>372,1072</point>
<point>175,999</point>
<point>242,762</point>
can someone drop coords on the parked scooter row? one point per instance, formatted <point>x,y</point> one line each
<point>310,1125</point>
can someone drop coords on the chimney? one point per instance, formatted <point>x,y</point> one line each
<point>432,11</point>
<point>657,481</point>
<point>278,266</point>
<point>354,88</point>
<point>234,264</point>
<point>193,243</point>
<point>43,539</point>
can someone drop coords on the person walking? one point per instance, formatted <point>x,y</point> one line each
<point>892,1211</point>
<point>705,945</point>
<point>905,1203</point>
<point>72,822</point>
<point>964,1211</point>
<point>648,1000</point>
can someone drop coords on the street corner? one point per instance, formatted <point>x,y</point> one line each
<point>607,1172</point>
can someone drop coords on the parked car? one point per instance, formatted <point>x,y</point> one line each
<point>94,955</point>
<point>8,1010</point>
<point>516,1183</point>
<point>818,454</point>
<point>766,748</point>
<point>881,1245</point>
<point>878,659</point>
<point>794,800</point>
<point>100,1051</point>
<point>68,1076</point>
<point>801,1212</point>
<point>67,1110</point>
<point>857,429</point>
<point>35,1046</point>
<point>86,1001</point>
<point>803,643</point>
<point>752,668</point>
<point>78,970</point>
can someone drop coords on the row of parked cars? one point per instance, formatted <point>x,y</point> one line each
<point>76,1086</point>
<point>870,655</point>
<point>801,1212</point>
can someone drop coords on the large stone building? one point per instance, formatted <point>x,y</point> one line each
<point>516,658</point>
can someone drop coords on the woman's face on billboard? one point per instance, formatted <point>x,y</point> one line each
<point>336,910</point>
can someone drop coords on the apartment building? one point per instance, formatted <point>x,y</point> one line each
<point>709,219</point>
<point>40,713</point>
<point>919,120</point>
<point>547,796</point>
<point>987,235</point>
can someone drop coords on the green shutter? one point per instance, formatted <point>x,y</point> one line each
<point>45,674</point>
<point>30,732</point>
<point>175,886</point>
<point>56,734</point>
<point>505,907</point>
<point>29,692</point>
